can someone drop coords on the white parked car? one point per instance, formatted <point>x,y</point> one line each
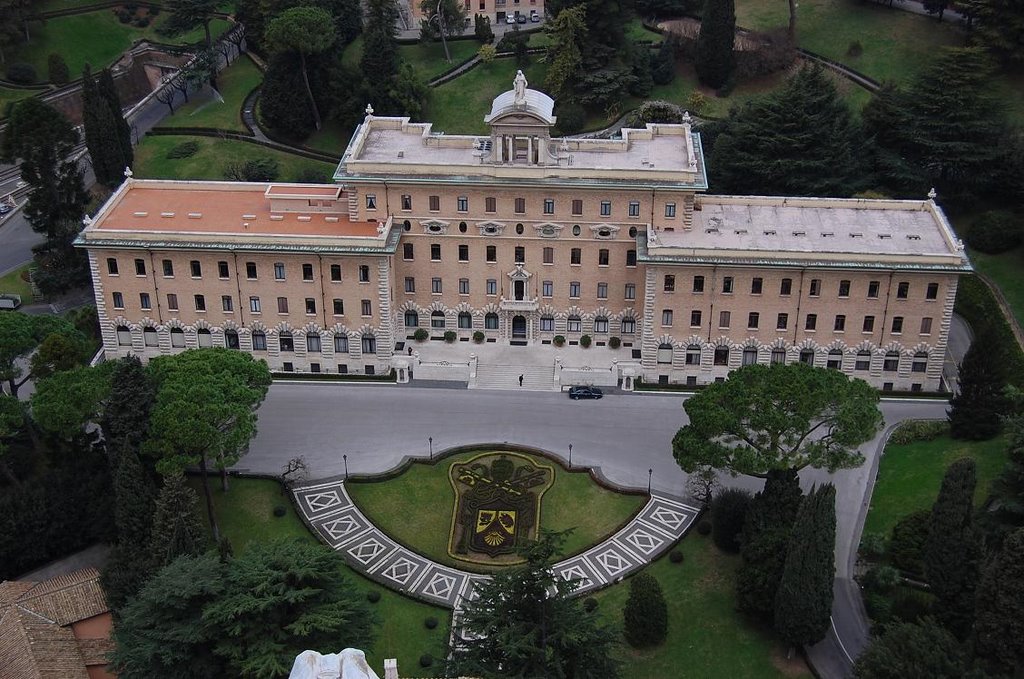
<point>534,16</point>
<point>510,19</point>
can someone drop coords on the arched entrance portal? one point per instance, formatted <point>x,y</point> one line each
<point>518,327</point>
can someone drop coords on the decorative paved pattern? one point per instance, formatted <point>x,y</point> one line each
<point>339,523</point>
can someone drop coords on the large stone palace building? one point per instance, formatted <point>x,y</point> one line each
<point>522,237</point>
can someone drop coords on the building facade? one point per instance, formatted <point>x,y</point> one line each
<point>498,11</point>
<point>520,238</point>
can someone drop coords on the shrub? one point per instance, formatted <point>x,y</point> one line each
<point>907,542</point>
<point>571,118</point>
<point>728,511</point>
<point>590,604</point>
<point>656,111</point>
<point>154,10</point>
<point>704,527</point>
<point>430,622</point>
<point>124,16</point>
<point>645,617</point>
<point>878,605</point>
<point>696,102</point>
<point>478,337</point>
<point>675,556</point>
<point>185,149</point>
<point>482,29</point>
<point>510,39</point>
<point>855,49</point>
<point>872,545</point>
<point>255,170</point>
<point>487,52</point>
<point>882,579</point>
<point>995,232</point>
<point>559,340</point>
<point>450,336</point>
<point>614,342</point>
<point>373,596</point>
<point>426,660</point>
<point>585,341</point>
<point>57,69</point>
<point>910,605</point>
<point>141,22</point>
<point>420,335</point>
<point>280,511</point>
<point>913,431</point>
<point>21,73</point>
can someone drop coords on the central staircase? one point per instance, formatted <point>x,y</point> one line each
<point>535,377</point>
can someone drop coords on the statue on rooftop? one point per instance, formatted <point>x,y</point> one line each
<point>519,85</point>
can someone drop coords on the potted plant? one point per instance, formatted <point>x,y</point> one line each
<point>421,335</point>
<point>450,336</point>
<point>614,342</point>
<point>585,341</point>
<point>478,337</point>
<point>559,340</point>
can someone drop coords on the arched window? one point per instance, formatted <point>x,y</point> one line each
<point>920,362</point>
<point>313,342</point>
<point>601,324</point>
<point>149,336</point>
<point>863,360</point>
<point>465,320</point>
<point>749,356</point>
<point>547,323</point>
<point>287,341</point>
<point>205,337</point>
<point>259,341</point>
<point>835,359</point>
<point>574,324</point>
<point>628,326</point>
<point>369,344</point>
<point>693,354</point>
<point>778,355</point>
<point>341,343</point>
<point>892,362</point>
<point>231,339</point>
<point>437,319</point>
<point>664,353</point>
<point>412,319</point>
<point>807,356</point>
<point>177,338</point>
<point>124,336</point>
<point>491,321</point>
<point>721,355</point>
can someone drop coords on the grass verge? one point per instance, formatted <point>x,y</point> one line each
<point>245,515</point>
<point>234,84</point>
<point>12,283</point>
<point>427,58</point>
<point>706,635</point>
<point>459,106</point>
<point>1004,270</point>
<point>425,493</point>
<point>151,161</point>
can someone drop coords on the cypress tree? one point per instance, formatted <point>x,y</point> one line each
<point>379,63</point>
<point>134,503</point>
<point>124,154</point>
<point>766,532</point>
<point>100,136</point>
<point>999,627</point>
<point>645,616</point>
<point>126,416</point>
<point>177,529</point>
<point>978,407</point>
<point>643,79</point>
<point>714,58</point>
<point>952,549</point>
<point>728,513</point>
<point>803,603</point>
<point>663,67</point>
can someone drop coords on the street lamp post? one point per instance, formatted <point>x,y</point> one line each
<point>430,442</point>
<point>570,456</point>
<point>650,472</point>
<point>345,457</point>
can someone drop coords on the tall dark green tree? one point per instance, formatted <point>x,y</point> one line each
<point>13,24</point>
<point>279,107</point>
<point>130,563</point>
<point>176,529</point>
<point>766,531</point>
<point>108,91</point>
<point>645,617</point>
<point>380,60</point>
<point>714,59</point>
<point>1007,511</point>
<point>187,14</point>
<point>803,602</point>
<point>304,31</point>
<point>912,650</point>
<point>107,135</point>
<point>643,81</point>
<point>999,27</point>
<point>999,624</point>
<point>977,409</point>
<point>126,416</point>
<point>886,117</point>
<point>800,140</point>
<point>952,551</point>
<point>568,34</point>
<point>526,623</point>
<point>663,67</point>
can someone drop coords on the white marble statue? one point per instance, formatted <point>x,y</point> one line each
<point>519,85</point>
<point>349,664</point>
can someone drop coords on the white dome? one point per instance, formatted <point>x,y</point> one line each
<point>537,103</point>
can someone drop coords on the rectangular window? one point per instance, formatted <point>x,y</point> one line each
<point>196,268</point>
<point>840,323</point>
<point>926,326</point>
<point>811,322</point>
<point>111,266</point>
<point>200,303</point>
<point>547,324</point>
<point>286,342</point>
<point>575,256</point>
<point>307,272</point>
<point>492,253</point>
<point>815,287</point>
<point>278,271</point>
<point>844,288</point>
<point>630,257</point>
<point>549,206</point>
<point>602,257</point>
<point>520,206</point>
<point>670,210</point>
<point>628,326</point>
<point>254,305</point>
<point>366,308</point>
<point>574,289</point>
<point>339,307</point>
<point>630,293</point>
<point>873,289</point>
<point>897,325</point>
<point>753,319</point>
<point>573,324</point>
<point>462,204</point>
<point>364,273</point>
<point>140,267</point>
<point>407,251</point>
<point>435,286</point>
<point>410,284</point>
<point>335,272</point>
<point>118,300</point>
<point>463,253</point>
<point>869,324</point>
<point>698,284</point>
<point>172,302</point>
<point>282,305</point>
<point>786,287</point>
<point>144,301</point>
<point>756,285</point>
<point>670,283</point>
<point>724,319</point>
<point>250,270</point>
<point>492,286</point>
<point>932,292</point>
<point>666,317</point>
<point>490,204</point>
<point>634,208</point>
<point>727,285</point>
<point>547,289</point>
<point>371,201</point>
<point>520,254</point>
<point>227,303</point>
<point>577,207</point>
<point>781,321</point>
<point>465,321</point>
<point>259,341</point>
<point>463,286</point>
<point>222,270</point>
<point>406,202</point>
<point>435,252</point>
<point>903,290</point>
<point>695,318</point>
<point>606,208</point>
<point>434,203</point>
<point>549,255</point>
<point>602,291</point>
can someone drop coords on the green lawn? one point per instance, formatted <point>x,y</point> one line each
<point>706,636</point>
<point>234,84</point>
<point>9,96</point>
<point>459,106</point>
<point>909,477</point>
<point>245,514</point>
<point>151,160</point>
<point>424,492</point>
<point>12,283</point>
<point>96,38</point>
<point>1005,271</point>
<point>634,30</point>
<point>896,45</point>
<point>332,137</point>
<point>427,58</point>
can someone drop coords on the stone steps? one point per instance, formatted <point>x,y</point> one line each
<point>535,378</point>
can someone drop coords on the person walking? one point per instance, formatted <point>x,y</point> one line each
<point>520,380</point>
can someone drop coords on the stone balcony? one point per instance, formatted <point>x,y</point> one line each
<point>518,304</point>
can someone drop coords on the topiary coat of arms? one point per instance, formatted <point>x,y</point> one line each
<point>497,506</point>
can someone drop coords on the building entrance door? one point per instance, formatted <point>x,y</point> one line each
<point>518,328</point>
<point>519,289</point>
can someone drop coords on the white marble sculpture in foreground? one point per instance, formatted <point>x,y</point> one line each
<point>349,664</point>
